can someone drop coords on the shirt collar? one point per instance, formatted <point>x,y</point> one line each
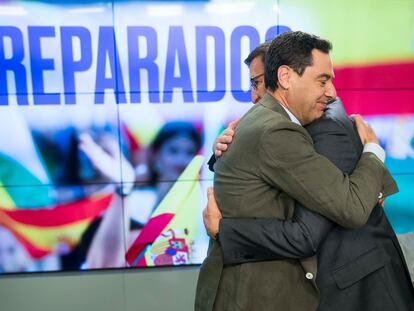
<point>291,116</point>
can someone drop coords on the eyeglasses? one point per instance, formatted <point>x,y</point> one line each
<point>254,82</point>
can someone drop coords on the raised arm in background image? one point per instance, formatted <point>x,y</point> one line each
<point>270,160</point>
<point>171,151</point>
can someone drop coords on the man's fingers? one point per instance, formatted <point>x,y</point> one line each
<point>357,118</point>
<point>360,126</point>
<point>222,142</point>
<point>365,131</point>
<point>221,147</point>
<point>212,207</point>
<point>228,132</point>
<point>210,193</point>
<point>225,138</point>
<point>359,121</point>
<point>233,124</point>
<point>211,214</point>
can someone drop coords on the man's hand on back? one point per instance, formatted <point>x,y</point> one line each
<point>225,138</point>
<point>211,214</point>
<point>366,133</point>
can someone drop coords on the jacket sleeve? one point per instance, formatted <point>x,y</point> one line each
<point>246,240</point>
<point>314,181</point>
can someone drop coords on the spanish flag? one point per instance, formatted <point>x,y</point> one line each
<point>27,206</point>
<point>33,218</point>
<point>41,230</point>
<point>168,236</point>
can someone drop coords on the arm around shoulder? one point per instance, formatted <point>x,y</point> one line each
<point>249,240</point>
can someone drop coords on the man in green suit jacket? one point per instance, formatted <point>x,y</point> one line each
<point>271,163</point>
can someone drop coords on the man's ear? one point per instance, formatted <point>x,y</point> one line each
<point>283,77</point>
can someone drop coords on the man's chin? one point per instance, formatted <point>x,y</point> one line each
<point>320,114</point>
<point>316,117</point>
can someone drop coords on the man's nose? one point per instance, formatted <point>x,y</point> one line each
<point>255,96</point>
<point>331,92</point>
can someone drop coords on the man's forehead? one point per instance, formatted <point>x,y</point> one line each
<point>256,66</point>
<point>321,58</point>
<point>322,67</point>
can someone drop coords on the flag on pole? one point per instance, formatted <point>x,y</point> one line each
<point>167,237</point>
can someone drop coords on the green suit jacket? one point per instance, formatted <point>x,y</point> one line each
<point>270,164</point>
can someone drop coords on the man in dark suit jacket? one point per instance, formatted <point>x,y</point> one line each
<point>360,269</point>
<point>272,158</point>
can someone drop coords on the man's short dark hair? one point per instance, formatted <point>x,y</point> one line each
<point>260,50</point>
<point>293,49</point>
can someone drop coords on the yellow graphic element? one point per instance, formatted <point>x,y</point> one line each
<point>6,201</point>
<point>144,125</point>
<point>184,200</point>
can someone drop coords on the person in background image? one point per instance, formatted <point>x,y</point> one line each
<point>69,165</point>
<point>45,164</point>
<point>174,147</point>
<point>238,253</point>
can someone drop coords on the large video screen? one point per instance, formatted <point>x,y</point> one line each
<point>109,110</point>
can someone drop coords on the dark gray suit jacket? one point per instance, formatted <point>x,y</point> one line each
<point>361,269</point>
